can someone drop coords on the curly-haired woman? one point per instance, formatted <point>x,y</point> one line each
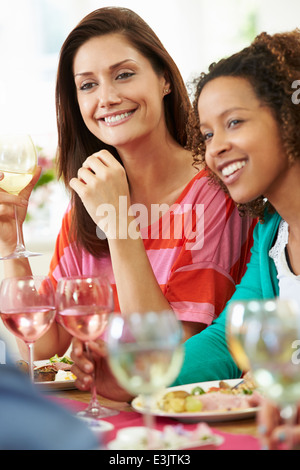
<point>246,128</point>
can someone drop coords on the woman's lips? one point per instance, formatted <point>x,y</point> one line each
<point>117,118</point>
<point>230,169</point>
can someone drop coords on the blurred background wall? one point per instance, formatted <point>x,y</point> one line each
<point>195,32</point>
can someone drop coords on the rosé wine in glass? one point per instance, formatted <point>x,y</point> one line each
<point>84,305</point>
<point>85,322</point>
<point>29,324</point>
<point>27,308</point>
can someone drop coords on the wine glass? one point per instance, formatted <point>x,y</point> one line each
<point>83,305</point>
<point>145,355</point>
<point>235,334</point>
<point>270,332</point>
<point>27,308</point>
<point>18,162</point>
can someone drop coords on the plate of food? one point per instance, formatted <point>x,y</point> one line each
<point>52,374</point>
<point>214,401</point>
<point>170,438</point>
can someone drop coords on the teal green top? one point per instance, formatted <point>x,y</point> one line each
<point>206,354</point>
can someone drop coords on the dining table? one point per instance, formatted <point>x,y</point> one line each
<point>236,434</point>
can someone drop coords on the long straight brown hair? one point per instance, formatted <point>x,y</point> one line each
<point>75,141</point>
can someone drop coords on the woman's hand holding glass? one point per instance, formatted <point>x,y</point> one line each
<point>18,175</point>
<point>87,370</point>
<point>273,430</point>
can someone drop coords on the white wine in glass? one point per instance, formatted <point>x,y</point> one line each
<point>235,333</point>
<point>18,162</point>
<point>269,331</point>
<point>145,355</point>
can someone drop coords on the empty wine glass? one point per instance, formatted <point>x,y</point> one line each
<point>18,162</point>
<point>27,307</point>
<point>84,304</point>
<point>145,355</point>
<point>270,336</point>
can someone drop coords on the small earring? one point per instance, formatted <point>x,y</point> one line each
<point>167,91</point>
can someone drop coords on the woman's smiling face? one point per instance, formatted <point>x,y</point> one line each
<point>242,136</point>
<point>119,94</point>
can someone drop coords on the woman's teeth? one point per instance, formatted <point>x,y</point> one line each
<point>230,169</point>
<point>117,117</point>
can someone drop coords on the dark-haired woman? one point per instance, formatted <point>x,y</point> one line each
<point>141,213</point>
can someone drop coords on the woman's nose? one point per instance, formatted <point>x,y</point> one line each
<point>108,95</point>
<point>218,145</point>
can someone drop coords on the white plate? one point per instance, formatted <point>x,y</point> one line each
<point>98,426</point>
<point>56,384</point>
<point>133,438</point>
<point>195,417</point>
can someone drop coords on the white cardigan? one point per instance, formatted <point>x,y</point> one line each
<point>289,283</point>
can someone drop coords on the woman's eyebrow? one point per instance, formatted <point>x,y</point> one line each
<point>228,111</point>
<point>111,67</point>
<point>118,64</point>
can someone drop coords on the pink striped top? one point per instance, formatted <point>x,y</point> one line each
<point>198,251</point>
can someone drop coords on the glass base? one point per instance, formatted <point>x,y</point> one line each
<point>97,412</point>
<point>20,254</point>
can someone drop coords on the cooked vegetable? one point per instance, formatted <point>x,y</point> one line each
<point>64,359</point>
<point>197,391</point>
<point>192,403</point>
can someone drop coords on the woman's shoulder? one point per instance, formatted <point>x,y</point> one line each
<point>271,221</point>
<point>199,187</point>
<point>265,233</point>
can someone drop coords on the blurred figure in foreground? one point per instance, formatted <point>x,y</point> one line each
<point>31,422</point>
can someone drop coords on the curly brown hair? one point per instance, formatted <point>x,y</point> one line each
<point>271,64</point>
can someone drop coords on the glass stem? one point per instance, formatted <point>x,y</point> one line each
<point>20,242</point>
<point>149,423</point>
<point>30,350</point>
<point>94,404</point>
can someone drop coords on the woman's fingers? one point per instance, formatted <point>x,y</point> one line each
<point>22,199</point>
<point>6,198</point>
<point>273,433</point>
<point>104,157</point>
<point>25,193</point>
<point>83,381</point>
<point>289,435</point>
<point>82,367</point>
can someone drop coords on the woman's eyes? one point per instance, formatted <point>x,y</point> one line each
<point>124,75</point>
<point>87,86</point>
<point>231,124</point>
<point>207,136</point>
<point>234,122</point>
